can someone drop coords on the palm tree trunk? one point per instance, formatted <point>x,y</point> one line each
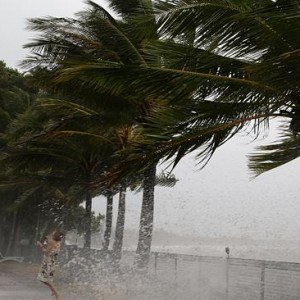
<point>118,243</point>
<point>12,234</point>
<point>16,245</point>
<point>108,221</point>
<point>37,227</point>
<point>146,220</point>
<point>2,234</point>
<point>88,220</point>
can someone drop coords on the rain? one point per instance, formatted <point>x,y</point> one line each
<point>149,150</point>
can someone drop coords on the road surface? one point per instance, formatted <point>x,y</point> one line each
<point>17,282</point>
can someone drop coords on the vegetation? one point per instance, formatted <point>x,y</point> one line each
<point>118,95</point>
<point>30,190</point>
<point>227,66</point>
<point>84,41</point>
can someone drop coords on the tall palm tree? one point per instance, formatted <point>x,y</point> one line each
<point>67,162</point>
<point>78,43</point>
<point>119,234</point>
<point>224,65</point>
<point>139,182</point>
<point>244,57</point>
<point>241,69</point>
<point>108,219</point>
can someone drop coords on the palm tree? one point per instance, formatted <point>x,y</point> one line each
<point>139,182</point>
<point>108,219</point>
<point>226,65</point>
<point>242,69</point>
<point>64,162</point>
<point>244,57</point>
<point>215,60</point>
<point>16,94</point>
<point>119,234</point>
<point>78,43</point>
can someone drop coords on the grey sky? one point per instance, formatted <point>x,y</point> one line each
<point>221,200</point>
<point>218,201</point>
<point>13,22</point>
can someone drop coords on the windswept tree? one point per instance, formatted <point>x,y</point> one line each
<point>190,74</point>
<point>242,69</point>
<point>108,218</point>
<point>16,95</point>
<point>35,207</point>
<point>227,66</point>
<point>66,158</point>
<point>136,182</point>
<point>78,44</point>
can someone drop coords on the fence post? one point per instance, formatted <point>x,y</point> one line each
<point>176,268</point>
<point>262,281</point>
<point>155,263</point>
<point>227,277</point>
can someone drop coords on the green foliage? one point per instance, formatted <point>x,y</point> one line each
<point>163,79</point>
<point>269,157</point>
<point>16,94</point>
<point>234,63</point>
<point>68,217</point>
<point>217,66</point>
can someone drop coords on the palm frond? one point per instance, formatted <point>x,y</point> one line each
<point>62,40</point>
<point>166,179</point>
<point>269,157</point>
<point>23,197</point>
<point>237,28</point>
<point>147,81</point>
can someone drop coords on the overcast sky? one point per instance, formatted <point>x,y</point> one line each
<point>217,201</point>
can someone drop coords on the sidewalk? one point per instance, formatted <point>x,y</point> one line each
<point>18,281</point>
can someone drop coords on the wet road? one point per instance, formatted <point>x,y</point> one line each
<point>20,284</point>
<point>15,288</point>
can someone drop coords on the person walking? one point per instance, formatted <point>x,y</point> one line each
<point>50,247</point>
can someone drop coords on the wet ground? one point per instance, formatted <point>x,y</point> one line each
<point>17,282</point>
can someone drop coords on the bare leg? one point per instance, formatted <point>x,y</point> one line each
<point>53,290</point>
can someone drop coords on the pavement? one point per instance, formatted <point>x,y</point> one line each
<point>18,282</point>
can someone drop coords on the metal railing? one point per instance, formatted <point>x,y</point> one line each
<point>230,278</point>
<point>207,277</point>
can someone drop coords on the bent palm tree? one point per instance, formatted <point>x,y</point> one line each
<point>223,64</point>
<point>241,69</point>
<point>248,54</point>
<point>64,162</point>
<point>108,219</point>
<point>78,43</point>
<point>229,65</point>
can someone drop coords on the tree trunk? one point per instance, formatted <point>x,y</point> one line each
<point>118,243</point>
<point>37,236</point>
<point>2,234</point>
<point>12,234</point>
<point>108,221</point>
<point>16,241</point>
<point>88,220</point>
<point>146,220</point>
